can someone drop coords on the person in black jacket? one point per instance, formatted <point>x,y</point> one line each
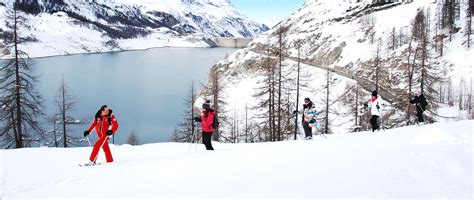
<point>421,103</point>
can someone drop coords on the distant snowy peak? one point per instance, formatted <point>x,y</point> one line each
<point>216,18</point>
<point>60,27</point>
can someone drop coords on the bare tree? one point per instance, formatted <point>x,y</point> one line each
<point>215,90</point>
<point>450,93</point>
<point>112,44</point>
<point>133,139</point>
<point>20,102</point>
<point>265,93</point>
<point>468,27</point>
<point>401,37</point>
<point>392,40</point>
<point>174,136</point>
<point>461,94</point>
<point>65,102</point>
<point>54,132</point>
<point>247,129</point>
<point>377,63</point>
<point>187,125</point>
<point>470,95</point>
<point>410,71</point>
<point>424,71</point>
<point>282,30</point>
<point>298,46</point>
<point>449,16</point>
<point>234,127</point>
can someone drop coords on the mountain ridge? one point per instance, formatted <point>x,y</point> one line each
<point>110,25</point>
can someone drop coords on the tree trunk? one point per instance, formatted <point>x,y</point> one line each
<point>192,113</point>
<point>246,124</point>
<point>54,132</point>
<point>297,91</point>
<point>63,112</point>
<point>19,141</point>
<point>357,104</point>
<point>279,85</point>
<point>326,126</point>
<point>216,88</point>
<point>270,96</point>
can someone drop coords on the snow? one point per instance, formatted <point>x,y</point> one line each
<point>60,34</point>
<point>432,162</point>
<point>329,26</point>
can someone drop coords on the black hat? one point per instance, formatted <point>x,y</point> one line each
<point>206,106</point>
<point>374,93</point>
<point>307,99</point>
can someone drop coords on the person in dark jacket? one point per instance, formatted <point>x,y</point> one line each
<point>421,103</point>
<point>206,119</point>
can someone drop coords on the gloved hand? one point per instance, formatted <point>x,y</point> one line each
<point>366,105</point>
<point>197,119</point>
<point>86,133</point>
<point>312,121</point>
<point>109,132</point>
<point>378,107</point>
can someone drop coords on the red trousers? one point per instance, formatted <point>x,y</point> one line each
<point>103,143</point>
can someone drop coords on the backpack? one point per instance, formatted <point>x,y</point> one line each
<point>215,122</point>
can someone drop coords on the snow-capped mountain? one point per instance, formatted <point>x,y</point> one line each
<point>67,26</point>
<point>344,36</point>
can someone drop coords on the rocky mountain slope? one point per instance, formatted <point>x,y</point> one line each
<point>350,39</point>
<point>65,26</point>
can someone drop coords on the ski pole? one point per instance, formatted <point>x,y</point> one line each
<point>320,132</point>
<point>192,140</point>
<point>195,141</point>
<point>89,141</point>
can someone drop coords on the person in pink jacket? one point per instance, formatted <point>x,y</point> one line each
<point>206,119</point>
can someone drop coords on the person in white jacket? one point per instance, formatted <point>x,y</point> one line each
<point>375,105</point>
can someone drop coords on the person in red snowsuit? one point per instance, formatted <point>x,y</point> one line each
<point>105,125</point>
<point>206,119</point>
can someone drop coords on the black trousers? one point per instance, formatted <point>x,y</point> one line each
<point>373,122</point>
<point>206,139</point>
<point>307,130</point>
<point>419,114</point>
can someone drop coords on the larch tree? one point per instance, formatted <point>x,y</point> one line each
<point>65,101</point>
<point>20,102</point>
<point>133,139</point>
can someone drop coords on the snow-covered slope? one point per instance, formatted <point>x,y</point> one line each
<point>429,162</point>
<point>66,26</point>
<point>344,35</point>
